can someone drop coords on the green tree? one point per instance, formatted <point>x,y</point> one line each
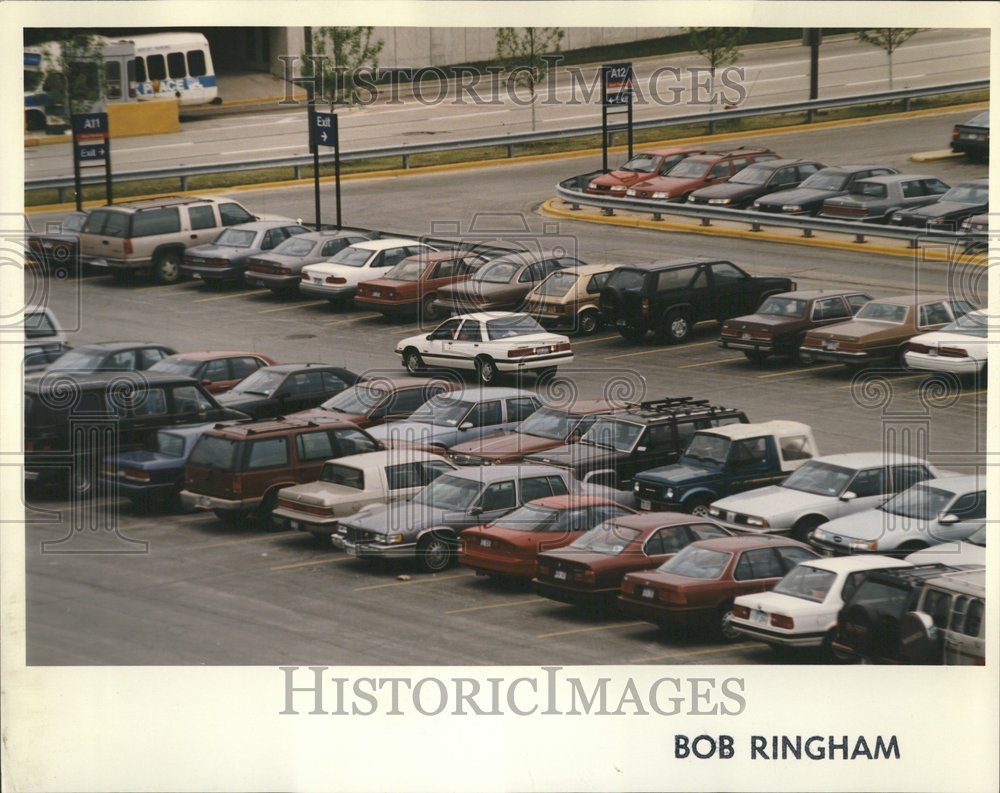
<point>525,55</point>
<point>340,53</point>
<point>720,47</point>
<point>888,39</point>
<point>74,71</point>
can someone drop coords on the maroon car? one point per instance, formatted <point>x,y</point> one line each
<point>780,324</point>
<point>377,400</point>
<point>218,371</point>
<point>545,429</point>
<point>589,571</point>
<point>411,286</point>
<point>644,165</point>
<point>696,172</point>
<point>697,586</point>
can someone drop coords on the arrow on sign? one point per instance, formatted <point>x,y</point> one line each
<point>323,136</point>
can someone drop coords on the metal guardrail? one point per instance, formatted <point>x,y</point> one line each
<point>304,161</point>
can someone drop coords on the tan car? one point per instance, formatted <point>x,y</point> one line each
<point>881,328</point>
<point>569,299</point>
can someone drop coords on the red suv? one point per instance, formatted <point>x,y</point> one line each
<point>238,468</point>
<point>697,171</point>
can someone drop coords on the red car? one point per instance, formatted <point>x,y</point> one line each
<point>698,585</point>
<point>697,171</point>
<point>377,401</point>
<point>411,286</point>
<point>508,546</point>
<point>589,571</point>
<point>645,165</point>
<point>218,371</point>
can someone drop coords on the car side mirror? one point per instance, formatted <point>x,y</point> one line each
<point>474,511</point>
<point>429,337</point>
<point>206,383</point>
<point>948,519</point>
<point>466,425</point>
<point>640,448</point>
<point>848,496</point>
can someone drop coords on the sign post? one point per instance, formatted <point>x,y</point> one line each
<point>91,147</point>
<point>325,132</point>
<point>616,96</point>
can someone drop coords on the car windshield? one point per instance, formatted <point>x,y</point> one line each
<point>346,475</point>
<point>968,194</point>
<point>549,423</point>
<point>236,238</point>
<point>261,383</point>
<point>689,169</point>
<point>73,222</point>
<point>296,246</point>
<point>820,479</point>
<point>882,312</point>
<point>169,443</point>
<point>497,273</point>
<point>212,451</point>
<point>753,175</point>
<point>806,582</point>
<point>527,518</point>
<point>558,284</point>
<point>508,327</point>
<point>783,307</point>
<point>611,434</point>
<point>448,492</point>
<point>176,366</point>
<point>407,270</point>
<point>707,448</point>
<point>641,163</point>
<point>608,538</point>
<point>37,325</point>
<point>972,324</point>
<point>696,562</point>
<point>920,501</point>
<point>442,412</point>
<point>865,189</point>
<point>78,361</point>
<point>826,180</point>
<point>351,257</point>
<point>356,399</point>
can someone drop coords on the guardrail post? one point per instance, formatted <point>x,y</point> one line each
<point>510,151</point>
<point>711,127</point>
<point>297,172</point>
<point>184,184</point>
<point>608,212</point>
<point>755,226</point>
<point>810,115</point>
<point>860,239</point>
<point>914,243</point>
<point>706,221</point>
<point>657,216</point>
<point>807,232</point>
<point>906,104</point>
<point>406,161</point>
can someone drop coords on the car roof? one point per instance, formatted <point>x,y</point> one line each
<point>853,168</point>
<point>294,367</point>
<point>867,459</point>
<point>484,316</point>
<point>164,201</point>
<point>737,432</point>
<point>812,294</point>
<point>263,225</point>
<point>851,564</point>
<point>492,473</point>
<point>957,483</point>
<point>969,582</point>
<point>529,257</point>
<point>780,163</point>
<point>892,178</point>
<point>385,243</point>
<point>106,378</point>
<point>710,156</point>
<point>666,264</point>
<point>386,456</point>
<point>210,355</point>
<point>252,427</point>
<point>911,300</point>
<point>585,269</point>
<point>486,392</point>
<point>328,234</point>
<point>662,152</point>
<point>652,520</point>
<point>571,501</point>
<point>743,542</point>
<point>119,345</point>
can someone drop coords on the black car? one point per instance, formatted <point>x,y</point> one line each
<point>286,388</point>
<point>973,137</point>
<point>960,202</point>
<point>669,297</point>
<point>111,356</point>
<point>225,258</point>
<point>72,422</point>
<point>646,435</point>
<point>808,197</point>
<point>58,248</point>
<point>754,181</point>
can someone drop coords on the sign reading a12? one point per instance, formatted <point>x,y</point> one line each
<point>617,79</point>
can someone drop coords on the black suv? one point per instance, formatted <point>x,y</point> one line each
<point>669,297</point>
<point>644,436</point>
<point>72,422</point>
<point>869,625</point>
<point>286,388</point>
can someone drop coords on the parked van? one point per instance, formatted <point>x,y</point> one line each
<point>948,625</point>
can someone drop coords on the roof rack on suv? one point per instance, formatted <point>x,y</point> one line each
<point>678,406</point>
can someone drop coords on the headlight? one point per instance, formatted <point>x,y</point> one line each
<point>669,494</point>
<point>759,522</point>
<point>392,539</point>
<point>862,545</point>
<point>630,191</point>
<point>791,208</point>
<point>635,487</point>
<point>715,512</point>
<point>819,534</point>
<point>661,195</point>
<point>756,204</point>
<point>897,218</point>
<point>720,200</point>
<point>617,188</point>
<point>592,186</point>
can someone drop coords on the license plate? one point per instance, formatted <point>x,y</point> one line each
<point>745,336</point>
<point>258,282</point>
<point>932,351</point>
<point>203,502</point>
<point>647,592</point>
<point>196,260</point>
<point>543,350</point>
<point>486,543</point>
<point>645,504</point>
<point>98,262</point>
<point>317,280</point>
<point>350,549</point>
<point>760,617</point>
<point>560,575</point>
<point>376,293</point>
<point>831,345</point>
<point>295,525</point>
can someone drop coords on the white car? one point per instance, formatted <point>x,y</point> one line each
<point>801,610</point>
<point>959,347</point>
<point>822,489</point>
<point>44,340</point>
<point>929,513</point>
<point>338,277</point>
<point>970,552</point>
<point>349,484</point>
<point>489,343</point>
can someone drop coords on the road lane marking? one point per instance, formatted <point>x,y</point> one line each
<point>607,336</point>
<point>495,606</point>
<point>616,626</point>
<point>711,363</point>
<point>860,384</point>
<point>417,581</point>
<point>293,305</point>
<point>659,349</point>
<point>313,563</point>
<point>806,370</point>
<point>225,297</point>
<point>356,319</point>
<point>686,653</point>
<point>241,541</point>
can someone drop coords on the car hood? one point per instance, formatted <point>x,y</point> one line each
<point>320,414</point>
<point>955,554</point>
<point>665,184</point>
<point>413,432</point>
<point>872,524</point>
<point>859,329</point>
<point>569,455</point>
<point>505,444</point>
<point>677,473</point>
<point>772,500</point>
<point>236,398</point>
<point>144,459</point>
<point>401,516</point>
<point>729,190</point>
<point>320,493</point>
<point>939,209</point>
<point>761,320</point>
<point>801,195</point>
<point>219,251</point>
<point>278,258</point>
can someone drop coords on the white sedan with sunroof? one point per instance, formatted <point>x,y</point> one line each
<point>338,277</point>
<point>959,347</point>
<point>489,343</point>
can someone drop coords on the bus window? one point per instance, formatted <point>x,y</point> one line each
<point>140,70</point>
<point>113,80</point>
<point>196,63</point>
<point>175,63</point>
<point>157,67</point>
<point>130,73</point>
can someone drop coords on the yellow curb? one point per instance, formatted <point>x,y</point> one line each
<point>933,156</point>
<point>47,141</point>
<point>528,158</point>
<point>549,208</point>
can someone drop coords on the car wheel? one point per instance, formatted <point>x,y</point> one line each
<point>486,371</point>
<point>756,356</point>
<point>267,505</point>
<point>630,333</point>
<point>427,311</point>
<point>698,507</point>
<point>167,268</point>
<point>828,653</point>
<point>726,631</point>
<point>800,531</point>
<point>589,322</point>
<point>676,327</point>
<point>413,362</point>
<point>435,554</point>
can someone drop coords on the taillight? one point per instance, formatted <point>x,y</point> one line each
<point>673,596</point>
<point>812,341</point>
<point>781,621</point>
<point>520,352</point>
<point>954,134</point>
<point>916,347</point>
<point>335,279</point>
<point>850,346</point>
<point>127,246</point>
<point>586,577</point>
<point>134,473</point>
<point>304,276</point>
<point>644,307</point>
<point>742,612</point>
<point>542,569</point>
<point>952,352</point>
<point>237,486</point>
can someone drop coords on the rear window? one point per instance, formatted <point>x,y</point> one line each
<point>106,223</point>
<point>558,284</point>
<point>37,325</point>
<point>345,475</point>
<point>696,562</point>
<point>624,278</point>
<point>211,451</point>
<point>165,220</point>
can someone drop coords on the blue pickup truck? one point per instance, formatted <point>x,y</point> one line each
<point>725,460</point>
